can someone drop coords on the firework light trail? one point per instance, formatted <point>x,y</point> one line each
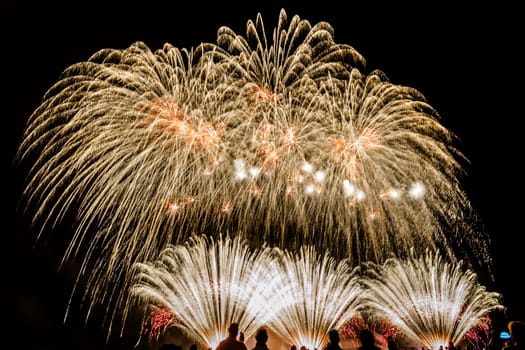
<point>432,301</point>
<point>285,142</point>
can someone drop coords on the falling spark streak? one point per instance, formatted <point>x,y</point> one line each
<point>432,301</point>
<point>121,140</point>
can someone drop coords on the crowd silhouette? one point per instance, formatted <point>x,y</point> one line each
<point>367,341</point>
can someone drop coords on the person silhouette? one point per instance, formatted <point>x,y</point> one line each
<point>517,335</point>
<point>260,339</point>
<point>333,340</point>
<point>193,346</point>
<point>231,342</point>
<point>367,340</point>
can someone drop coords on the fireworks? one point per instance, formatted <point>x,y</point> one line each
<point>326,294</point>
<point>355,325</point>
<point>432,301</point>
<point>284,142</point>
<point>301,295</point>
<point>158,320</point>
<point>207,285</point>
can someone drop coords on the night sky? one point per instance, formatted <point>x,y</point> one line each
<point>461,59</point>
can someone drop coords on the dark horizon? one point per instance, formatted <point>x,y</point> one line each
<point>447,53</point>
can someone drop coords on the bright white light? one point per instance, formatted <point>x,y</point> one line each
<point>319,176</point>
<point>307,167</point>
<point>394,193</point>
<point>239,169</point>
<point>417,190</point>
<point>348,188</point>
<point>254,171</point>
<point>309,189</point>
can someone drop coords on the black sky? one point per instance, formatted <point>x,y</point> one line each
<point>461,59</point>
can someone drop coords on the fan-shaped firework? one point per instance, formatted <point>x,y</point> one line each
<point>326,294</point>
<point>432,301</point>
<point>285,142</point>
<point>207,285</point>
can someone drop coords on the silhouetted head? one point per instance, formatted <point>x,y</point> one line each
<point>261,336</point>
<point>233,330</point>
<point>333,335</point>
<point>367,338</point>
<point>517,331</point>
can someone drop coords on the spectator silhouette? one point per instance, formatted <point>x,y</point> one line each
<point>333,340</point>
<point>260,339</point>
<point>193,346</point>
<point>517,335</point>
<point>231,342</point>
<point>368,341</point>
<point>293,347</point>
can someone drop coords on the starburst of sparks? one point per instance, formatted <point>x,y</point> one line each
<point>158,320</point>
<point>352,327</point>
